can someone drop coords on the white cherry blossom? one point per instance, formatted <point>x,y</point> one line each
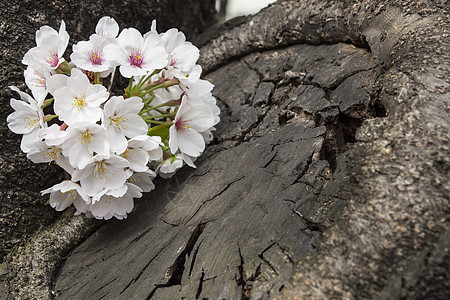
<point>66,193</point>
<point>79,100</point>
<point>89,56</point>
<point>120,117</point>
<point>107,27</point>
<point>115,203</point>
<point>102,172</point>
<point>42,153</point>
<point>26,119</point>
<point>83,140</point>
<point>50,48</point>
<point>135,54</point>
<point>185,131</point>
<point>143,180</point>
<point>36,80</point>
<point>54,135</point>
<point>140,150</point>
<point>169,166</point>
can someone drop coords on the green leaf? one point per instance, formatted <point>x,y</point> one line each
<point>160,130</point>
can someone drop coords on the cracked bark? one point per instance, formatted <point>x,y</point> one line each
<point>288,156</point>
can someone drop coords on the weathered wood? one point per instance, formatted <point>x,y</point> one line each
<point>22,210</point>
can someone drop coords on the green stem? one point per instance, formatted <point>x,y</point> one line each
<point>168,103</point>
<point>165,84</point>
<point>97,78</point>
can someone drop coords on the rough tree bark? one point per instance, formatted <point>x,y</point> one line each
<point>328,176</point>
<point>22,210</point>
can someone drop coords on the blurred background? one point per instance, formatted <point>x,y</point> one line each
<point>229,9</point>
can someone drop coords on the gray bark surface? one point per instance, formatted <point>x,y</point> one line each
<point>23,211</point>
<point>328,177</point>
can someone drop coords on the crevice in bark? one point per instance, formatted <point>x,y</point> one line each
<point>242,281</point>
<point>177,269</point>
<point>261,256</point>
<point>200,285</point>
<point>310,225</point>
<point>340,131</point>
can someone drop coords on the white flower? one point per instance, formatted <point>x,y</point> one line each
<point>107,27</point>
<point>83,140</point>
<point>182,54</point>
<point>136,55</point>
<point>197,89</point>
<point>66,193</point>
<point>36,80</point>
<point>40,152</point>
<point>120,118</point>
<point>143,180</point>
<point>50,48</point>
<point>102,172</point>
<point>115,203</point>
<point>54,135</point>
<point>88,55</point>
<point>139,151</point>
<point>55,82</point>
<point>184,134</point>
<point>199,93</point>
<point>27,119</point>
<point>79,100</point>
<point>169,166</point>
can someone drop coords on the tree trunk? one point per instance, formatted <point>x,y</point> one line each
<point>327,177</point>
<point>23,211</point>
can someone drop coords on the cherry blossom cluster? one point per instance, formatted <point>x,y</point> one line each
<point>112,146</point>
